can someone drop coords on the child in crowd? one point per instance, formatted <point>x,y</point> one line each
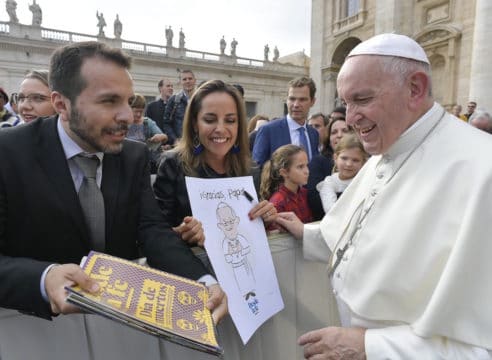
<point>349,157</point>
<point>283,179</point>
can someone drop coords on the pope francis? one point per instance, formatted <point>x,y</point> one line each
<point>408,242</point>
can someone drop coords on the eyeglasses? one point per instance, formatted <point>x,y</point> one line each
<point>35,98</point>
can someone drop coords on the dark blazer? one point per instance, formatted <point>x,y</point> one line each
<point>276,133</point>
<point>320,167</point>
<point>155,111</point>
<point>41,220</point>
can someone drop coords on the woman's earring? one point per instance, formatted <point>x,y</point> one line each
<point>235,148</point>
<point>197,146</point>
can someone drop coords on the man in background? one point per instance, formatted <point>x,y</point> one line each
<point>319,122</point>
<point>470,109</point>
<point>155,110</point>
<point>176,107</point>
<point>292,128</point>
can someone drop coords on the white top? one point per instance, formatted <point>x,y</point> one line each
<point>417,269</point>
<point>329,188</point>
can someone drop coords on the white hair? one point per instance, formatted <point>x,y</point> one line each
<point>401,68</point>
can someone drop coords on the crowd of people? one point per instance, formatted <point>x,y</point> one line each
<point>405,239</point>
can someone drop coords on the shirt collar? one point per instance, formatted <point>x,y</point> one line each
<point>70,147</point>
<point>293,125</point>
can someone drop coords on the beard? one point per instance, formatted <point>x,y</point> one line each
<point>79,126</point>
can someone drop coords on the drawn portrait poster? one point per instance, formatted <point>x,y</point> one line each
<point>238,249</point>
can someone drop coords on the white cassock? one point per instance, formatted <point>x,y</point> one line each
<point>416,221</point>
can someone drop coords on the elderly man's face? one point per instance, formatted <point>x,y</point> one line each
<point>376,105</point>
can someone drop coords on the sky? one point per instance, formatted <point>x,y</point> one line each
<point>253,23</point>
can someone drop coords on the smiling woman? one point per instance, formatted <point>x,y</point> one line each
<point>34,98</point>
<point>214,145</point>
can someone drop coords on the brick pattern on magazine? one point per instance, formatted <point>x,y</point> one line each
<point>170,305</point>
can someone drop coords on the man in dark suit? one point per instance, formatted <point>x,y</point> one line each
<point>291,128</point>
<point>155,109</point>
<point>42,221</point>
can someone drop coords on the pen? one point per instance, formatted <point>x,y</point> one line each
<point>248,196</point>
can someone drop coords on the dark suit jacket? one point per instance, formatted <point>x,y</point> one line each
<point>276,133</point>
<point>320,167</point>
<point>155,111</point>
<point>41,220</point>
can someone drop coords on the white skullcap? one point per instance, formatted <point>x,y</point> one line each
<point>391,45</point>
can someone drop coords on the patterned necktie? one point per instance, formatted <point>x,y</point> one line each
<point>304,142</point>
<point>91,201</point>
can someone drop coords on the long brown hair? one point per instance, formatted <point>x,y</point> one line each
<point>270,175</point>
<point>237,164</point>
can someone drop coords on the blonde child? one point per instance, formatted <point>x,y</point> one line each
<point>349,157</point>
<point>282,181</point>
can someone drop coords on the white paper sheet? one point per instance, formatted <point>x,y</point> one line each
<point>238,249</point>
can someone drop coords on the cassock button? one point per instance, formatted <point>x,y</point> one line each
<point>335,292</point>
<point>380,175</point>
<point>338,275</point>
<point>374,192</point>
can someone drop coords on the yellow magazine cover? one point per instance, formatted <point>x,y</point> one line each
<point>156,302</point>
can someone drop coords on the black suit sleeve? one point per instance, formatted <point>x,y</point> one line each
<point>168,122</point>
<point>319,168</point>
<point>19,276</point>
<point>160,244</point>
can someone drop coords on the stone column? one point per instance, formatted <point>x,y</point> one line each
<point>481,72</point>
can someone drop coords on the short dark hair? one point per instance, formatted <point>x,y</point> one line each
<point>340,109</point>
<point>304,81</point>
<point>66,63</point>
<point>186,71</point>
<point>319,114</point>
<point>160,83</point>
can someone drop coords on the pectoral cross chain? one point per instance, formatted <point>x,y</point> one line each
<point>340,253</point>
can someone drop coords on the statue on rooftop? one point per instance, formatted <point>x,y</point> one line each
<point>223,45</point>
<point>181,39</point>
<point>233,47</point>
<point>11,6</point>
<point>101,23</point>
<point>169,37</point>
<point>37,14</point>
<point>276,54</point>
<point>266,51</point>
<point>118,27</point>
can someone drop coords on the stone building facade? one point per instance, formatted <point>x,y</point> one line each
<point>452,32</point>
<point>26,47</point>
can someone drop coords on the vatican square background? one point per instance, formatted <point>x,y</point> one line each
<point>452,32</point>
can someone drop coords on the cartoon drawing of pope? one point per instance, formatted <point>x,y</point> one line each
<point>236,249</point>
